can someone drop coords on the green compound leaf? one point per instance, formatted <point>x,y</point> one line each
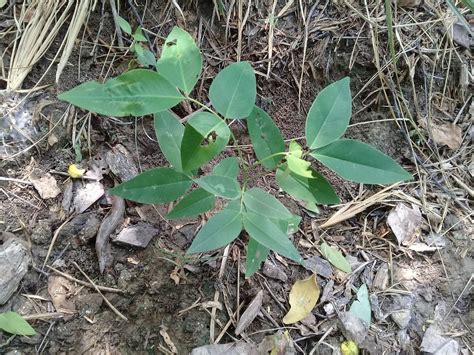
<point>158,185</point>
<point>180,62</point>
<point>233,90</point>
<point>256,255</point>
<point>223,186</point>
<point>260,202</point>
<point>137,92</point>
<point>13,323</point>
<point>360,162</point>
<point>220,230</point>
<point>329,114</point>
<point>315,189</point>
<point>195,151</point>
<point>227,167</point>
<point>169,132</point>
<point>361,306</point>
<point>124,25</point>
<point>268,233</point>
<point>193,204</point>
<point>266,138</point>
<point>335,257</point>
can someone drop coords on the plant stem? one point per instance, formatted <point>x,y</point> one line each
<point>207,108</point>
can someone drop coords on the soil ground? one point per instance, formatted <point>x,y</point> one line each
<point>168,297</point>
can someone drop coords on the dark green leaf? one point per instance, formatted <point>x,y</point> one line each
<point>158,185</point>
<point>315,189</point>
<point>227,167</point>
<point>222,186</point>
<point>268,233</point>
<point>360,162</point>
<point>361,306</point>
<point>266,138</point>
<point>220,230</point>
<point>260,202</point>
<point>180,62</point>
<point>256,254</point>
<point>233,90</point>
<point>13,323</point>
<point>169,132</point>
<point>124,25</point>
<point>329,114</point>
<point>195,151</point>
<point>196,202</point>
<point>335,257</point>
<point>137,92</point>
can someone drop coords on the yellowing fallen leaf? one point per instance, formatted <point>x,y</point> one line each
<point>75,172</point>
<point>349,348</point>
<point>303,297</point>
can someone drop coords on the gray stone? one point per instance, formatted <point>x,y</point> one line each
<point>353,328</point>
<point>88,305</point>
<point>83,227</point>
<point>434,343</point>
<point>319,266</point>
<point>14,260</point>
<point>42,232</point>
<point>402,318</point>
<point>138,235</point>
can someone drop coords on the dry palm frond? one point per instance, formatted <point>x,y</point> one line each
<point>47,17</point>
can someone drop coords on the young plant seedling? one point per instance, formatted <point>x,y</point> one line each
<point>144,56</point>
<point>232,94</point>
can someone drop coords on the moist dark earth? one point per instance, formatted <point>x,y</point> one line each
<point>168,297</point>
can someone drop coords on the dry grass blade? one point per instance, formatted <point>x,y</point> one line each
<point>47,17</point>
<point>81,13</point>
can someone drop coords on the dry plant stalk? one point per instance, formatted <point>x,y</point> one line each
<point>43,19</point>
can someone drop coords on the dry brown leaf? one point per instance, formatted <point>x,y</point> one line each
<point>250,313</point>
<point>45,184</point>
<point>303,297</point>
<point>62,291</point>
<point>447,134</point>
<point>167,339</point>
<point>405,223</point>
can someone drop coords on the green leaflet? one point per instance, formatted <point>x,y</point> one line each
<point>13,323</point>
<point>169,132</point>
<point>260,202</point>
<point>268,233</point>
<point>222,186</point>
<point>157,185</point>
<point>266,138</point>
<point>220,230</point>
<point>335,257</point>
<point>315,189</point>
<point>180,62</point>
<point>360,162</point>
<point>361,306</point>
<point>194,203</point>
<point>233,90</point>
<point>227,167</point>
<point>138,92</point>
<point>124,25</point>
<point>194,150</point>
<point>256,254</point>
<point>329,114</point>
